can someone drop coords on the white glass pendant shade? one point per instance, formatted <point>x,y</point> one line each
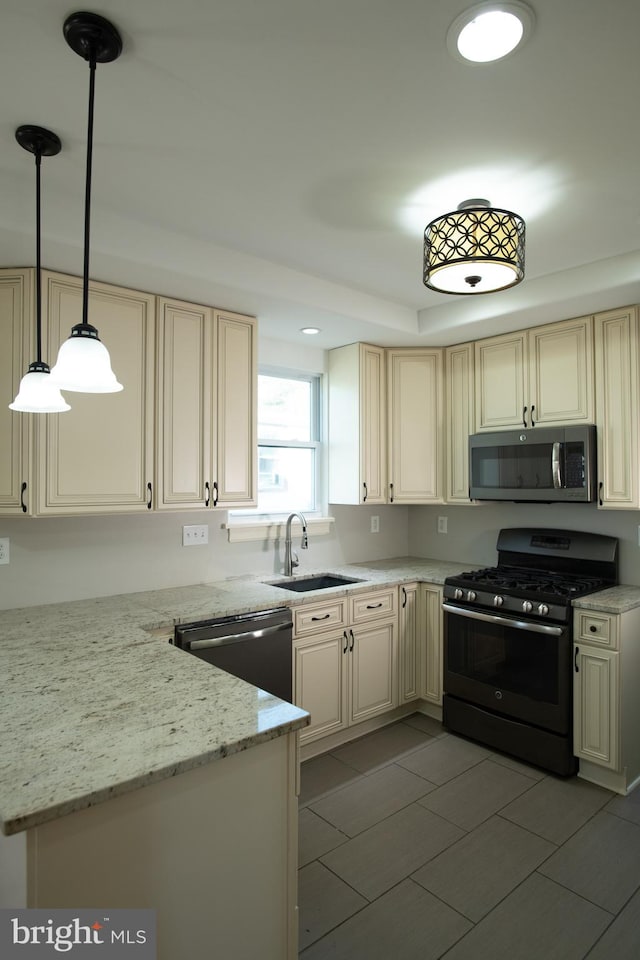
<point>38,393</point>
<point>84,364</point>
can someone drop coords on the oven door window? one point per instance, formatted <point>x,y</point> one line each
<point>515,672</point>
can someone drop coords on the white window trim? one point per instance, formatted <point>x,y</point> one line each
<point>275,528</point>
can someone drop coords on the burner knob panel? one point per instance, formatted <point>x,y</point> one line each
<point>471,595</point>
<point>457,594</point>
<point>543,609</point>
<point>498,600</point>
<point>527,606</point>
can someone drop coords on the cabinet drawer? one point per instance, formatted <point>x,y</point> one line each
<point>316,617</point>
<point>370,606</point>
<point>600,629</point>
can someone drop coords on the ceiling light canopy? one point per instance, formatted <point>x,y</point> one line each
<point>37,392</point>
<point>475,249</point>
<point>83,363</point>
<point>490,31</point>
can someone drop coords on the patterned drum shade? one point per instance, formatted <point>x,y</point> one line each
<point>474,249</point>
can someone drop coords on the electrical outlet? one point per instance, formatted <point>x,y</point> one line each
<point>442,524</point>
<point>195,534</point>
<point>375,524</point>
<point>4,549</point>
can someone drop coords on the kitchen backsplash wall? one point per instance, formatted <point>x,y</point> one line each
<point>472,530</point>
<point>72,558</point>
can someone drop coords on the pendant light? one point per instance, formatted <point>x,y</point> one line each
<point>475,249</point>
<point>37,392</point>
<point>83,363</point>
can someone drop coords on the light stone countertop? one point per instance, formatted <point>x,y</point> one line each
<point>96,702</point>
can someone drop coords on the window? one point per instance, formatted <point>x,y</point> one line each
<point>288,443</point>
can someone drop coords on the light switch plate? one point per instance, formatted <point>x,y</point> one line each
<point>195,534</point>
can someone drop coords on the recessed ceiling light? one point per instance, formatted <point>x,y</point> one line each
<point>490,31</point>
<point>311,331</point>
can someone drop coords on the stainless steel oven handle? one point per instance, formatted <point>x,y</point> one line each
<point>555,466</point>
<point>234,638</point>
<point>506,621</point>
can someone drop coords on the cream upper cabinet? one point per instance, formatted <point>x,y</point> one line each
<point>16,320</point>
<point>98,457</point>
<point>459,419</point>
<point>357,424</point>
<point>617,377</point>
<point>207,382</point>
<point>416,423</point>
<point>536,377</point>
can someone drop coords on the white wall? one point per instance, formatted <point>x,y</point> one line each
<point>473,530</point>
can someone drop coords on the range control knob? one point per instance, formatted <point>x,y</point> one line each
<point>527,606</point>
<point>457,594</point>
<point>498,600</point>
<point>543,609</point>
<point>471,595</point>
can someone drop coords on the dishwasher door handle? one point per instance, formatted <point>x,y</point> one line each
<point>210,642</point>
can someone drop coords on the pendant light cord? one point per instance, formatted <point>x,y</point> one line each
<point>38,156</point>
<point>87,193</point>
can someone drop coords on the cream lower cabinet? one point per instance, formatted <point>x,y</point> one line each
<point>357,424</point>
<point>207,407</point>
<point>618,377</point>
<point>416,425</point>
<point>606,713</point>
<point>98,457</point>
<point>536,377</point>
<point>431,653</point>
<point>409,631</point>
<point>16,320</point>
<point>345,660</point>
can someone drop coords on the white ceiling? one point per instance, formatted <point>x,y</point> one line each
<point>282,157</point>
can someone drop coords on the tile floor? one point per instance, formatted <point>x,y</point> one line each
<point>416,844</point>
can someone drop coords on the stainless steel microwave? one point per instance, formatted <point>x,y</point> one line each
<point>543,464</point>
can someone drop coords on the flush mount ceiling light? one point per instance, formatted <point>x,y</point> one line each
<point>37,392</point>
<point>310,331</point>
<point>490,31</point>
<point>83,363</point>
<point>475,249</point>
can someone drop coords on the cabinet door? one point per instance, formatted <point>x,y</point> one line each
<point>185,366</point>
<point>561,372</point>
<point>460,420</point>
<point>16,322</point>
<point>320,671</point>
<point>616,356</point>
<point>98,457</point>
<point>372,424</point>
<point>595,706</point>
<point>408,643</point>
<point>373,656</point>
<point>415,426</point>
<point>236,410</point>
<point>432,662</point>
<point>500,382</point>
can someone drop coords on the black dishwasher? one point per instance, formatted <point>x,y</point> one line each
<point>255,647</point>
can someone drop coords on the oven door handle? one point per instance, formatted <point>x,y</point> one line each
<point>494,618</point>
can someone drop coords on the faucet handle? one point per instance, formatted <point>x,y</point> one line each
<point>295,562</point>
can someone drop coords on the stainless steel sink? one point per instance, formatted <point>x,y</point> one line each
<point>319,581</point>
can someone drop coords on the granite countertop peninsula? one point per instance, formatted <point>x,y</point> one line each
<point>96,702</point>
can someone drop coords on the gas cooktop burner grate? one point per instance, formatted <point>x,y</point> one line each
<point>536,581</point>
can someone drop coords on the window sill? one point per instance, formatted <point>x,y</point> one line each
<point>240,531</point>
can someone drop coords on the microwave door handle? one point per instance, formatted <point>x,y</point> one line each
<point>555,466</point>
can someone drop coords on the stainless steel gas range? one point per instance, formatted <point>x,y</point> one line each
<point>508,671</point>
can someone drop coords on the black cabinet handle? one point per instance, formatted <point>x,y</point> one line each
<point>207,494</point>
<point>373,606</point>
<point>593,628</point>
<point>404,598</point>
<point>600,486</point>
<point>353,640</point>
<point>364,499</point>
<point>23,490</point>
<point>575,660</point>
<point>149,496</point>
<point>524,417</point>
<point>533,423</point>
<point>325,617</point>
<point>391,492</point>
<point>346,641</point>
<point>215,493</point>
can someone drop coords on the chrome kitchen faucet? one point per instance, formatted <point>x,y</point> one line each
<point>291,558</point>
